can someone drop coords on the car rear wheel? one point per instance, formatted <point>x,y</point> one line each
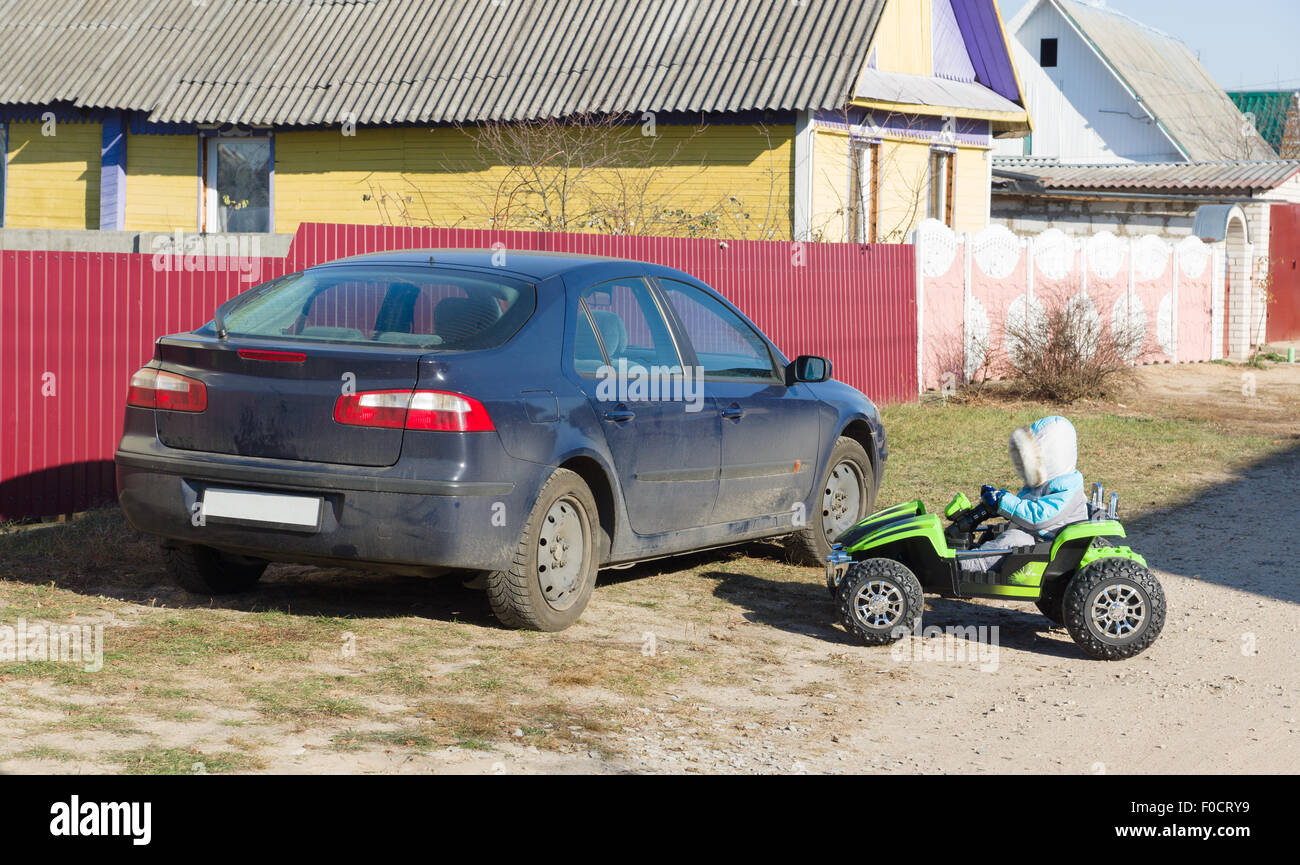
<point>204,571</point>
<point>554,569</point>
<point>846,495</point>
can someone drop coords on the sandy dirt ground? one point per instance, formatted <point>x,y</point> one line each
<point>1218,692</point>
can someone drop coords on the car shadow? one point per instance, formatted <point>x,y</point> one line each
<point>770,550</point>
<point>299,590</point>
<point>350,594</point>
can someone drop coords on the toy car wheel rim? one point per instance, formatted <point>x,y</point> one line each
<point>842,499</point>
<point>879,604</point>
<point>560,547</point>
<point>1118,611</point>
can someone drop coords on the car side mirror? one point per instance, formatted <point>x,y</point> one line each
<point>810,368</point>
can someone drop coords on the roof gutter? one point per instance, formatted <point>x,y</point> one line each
<point>1099,195</point>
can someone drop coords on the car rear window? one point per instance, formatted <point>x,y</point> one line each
<point>420,307</point>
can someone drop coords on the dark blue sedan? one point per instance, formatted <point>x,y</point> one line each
<point>528,416</point>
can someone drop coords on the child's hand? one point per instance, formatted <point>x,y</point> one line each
<point>991,495</point>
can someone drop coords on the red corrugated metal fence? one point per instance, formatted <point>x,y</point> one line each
<point>75,325</point>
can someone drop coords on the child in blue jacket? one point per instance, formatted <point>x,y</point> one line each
<point>1044,454</point>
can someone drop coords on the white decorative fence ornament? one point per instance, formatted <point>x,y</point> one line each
<point>1025,317</point>
<point>1193,256</point>
<point>1128,321</point>
<point>1165,324</point>
<point>977,336</point>
<point>1151,256</point>
<point>1081,309</point>
<point>938,247</point>
<point>1054,253</point>
<point>996,251</point>
<point>1105,255</point>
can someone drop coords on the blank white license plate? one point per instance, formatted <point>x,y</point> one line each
<point>258,507</point>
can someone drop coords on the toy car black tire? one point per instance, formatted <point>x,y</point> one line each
<point>1133,584</point>
<point>1051,604</point>
<point>897,592</point>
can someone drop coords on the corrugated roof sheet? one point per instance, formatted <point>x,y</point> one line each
<point>1172,84</point>
<point>1248,177</point>
<point>313,62</point>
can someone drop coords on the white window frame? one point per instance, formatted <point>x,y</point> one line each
<point>939,210</point>
<point>211,142</point>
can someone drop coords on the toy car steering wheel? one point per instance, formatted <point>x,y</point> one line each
<point>969,519</point>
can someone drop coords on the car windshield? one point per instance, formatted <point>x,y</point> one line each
<point>420,307</point>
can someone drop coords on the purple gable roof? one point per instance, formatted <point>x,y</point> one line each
<point>981,30</point>
<point>951,59</point>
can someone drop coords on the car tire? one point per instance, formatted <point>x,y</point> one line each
<point>837,507</point>
<point>1137,601</point>
<point>544,588</point>
<point>880,601</point>
<point>202,570</point>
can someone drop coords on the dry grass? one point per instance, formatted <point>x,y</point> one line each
<point>246,683</point>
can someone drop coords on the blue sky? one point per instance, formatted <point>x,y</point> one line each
<point>1245,44</point>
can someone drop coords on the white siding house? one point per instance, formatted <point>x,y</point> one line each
<point>1103,88</point>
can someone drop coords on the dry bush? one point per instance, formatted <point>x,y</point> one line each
<point>1066,353</point>
<point>963,379</point>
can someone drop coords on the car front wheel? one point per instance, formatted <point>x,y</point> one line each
<point>846,495</point>
<point>553,573</point>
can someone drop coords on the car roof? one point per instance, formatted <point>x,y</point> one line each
<point>533,264</point>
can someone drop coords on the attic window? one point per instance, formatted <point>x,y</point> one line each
<point>1047,52</point>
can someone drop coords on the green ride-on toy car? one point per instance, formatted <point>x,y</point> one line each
<point>1103,594</point>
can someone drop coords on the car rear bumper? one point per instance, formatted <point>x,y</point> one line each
<point>377,517</point>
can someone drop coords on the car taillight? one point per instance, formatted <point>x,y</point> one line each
<point>166,391</point>
<point>422,410</point>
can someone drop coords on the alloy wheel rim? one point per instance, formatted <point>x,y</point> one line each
<point>561,547</point>
<point>1118,611</point>
<point>879,604</point>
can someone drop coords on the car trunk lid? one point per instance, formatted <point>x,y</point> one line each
<point>277,401</point>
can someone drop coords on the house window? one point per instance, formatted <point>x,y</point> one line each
<point>1047,52</point>
<point>941,186</point>
<point>864,194</point>
<point>237,184</point>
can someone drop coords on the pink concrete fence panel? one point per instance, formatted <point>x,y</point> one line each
<point>979,290</point>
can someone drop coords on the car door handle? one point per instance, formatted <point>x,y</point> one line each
<point>619,415</point>
<point>733,412</point>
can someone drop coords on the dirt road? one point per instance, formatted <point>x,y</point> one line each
<point>727,662</point>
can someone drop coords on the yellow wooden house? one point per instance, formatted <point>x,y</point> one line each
<point>814,119</point>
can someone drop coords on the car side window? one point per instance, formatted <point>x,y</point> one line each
<point>725,345</point>
<point>629,325</point>
<point>587,355</point>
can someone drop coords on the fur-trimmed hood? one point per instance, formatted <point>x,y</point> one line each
<point>1046,449</point>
